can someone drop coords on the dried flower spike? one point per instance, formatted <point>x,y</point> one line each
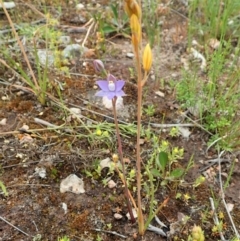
<point>132,7</point>
<point>135,27</point>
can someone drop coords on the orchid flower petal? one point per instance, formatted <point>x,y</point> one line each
<point>120,93</point>
<point>111,95</point>
<point>103,84</point>
<point>119,85</point>
<point>111,77</point>
<point>101,93</point>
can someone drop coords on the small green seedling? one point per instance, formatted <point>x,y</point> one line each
<point>4,189</point>
<point>150,110</point>
<point>99,238</point>
<point>200,180</point>
<point>174,132</point>
<point>64,238</point>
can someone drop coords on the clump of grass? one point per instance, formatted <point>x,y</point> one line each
<point>37,81</point>
<point>151,21</point>
<point>215,98</point>
<point>214,20</point>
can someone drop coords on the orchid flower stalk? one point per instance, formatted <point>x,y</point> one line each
<point>112,89</point>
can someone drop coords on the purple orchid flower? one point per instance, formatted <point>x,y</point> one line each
<point>111,87</point>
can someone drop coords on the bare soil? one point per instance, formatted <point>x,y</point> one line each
<point>35,205</point>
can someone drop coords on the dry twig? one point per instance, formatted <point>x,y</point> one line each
<point>18,229</point>
<point>223,196</point>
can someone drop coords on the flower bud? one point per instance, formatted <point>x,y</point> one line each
<point>147,58</point>
<point>98,65</point>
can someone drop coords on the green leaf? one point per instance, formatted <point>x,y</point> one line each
<point>115,11</point>
<point>2,186</point>
<point>164,182</point>
<point>155,173</point>
<point>108,29</point>
<point>176,173</point>
<point>178,195</point>
<point>162,160</point>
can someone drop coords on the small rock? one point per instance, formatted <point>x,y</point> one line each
<point>64,206</point>
<point>73,184</point>
<point>130,55</point>
<point>134,214</point>
<point>45,56</point>
<point>230,207</point>
<point>4,98</point>
<point>89,122</point>
<point>25,127</point>
<point>65,40</point>
<point>20,93</point>
<point>41,172</point>
<point>184,132</point>
<point>153,77</point>
<point>117,216</point>
<point>108,103</point>
<point>160,93</point>
<point>106,163</point>
<point>80,6</point>
<point>73,50</point>
<point>112,184</point>
<point>8,5</point>
<point>75,111</point>
<point>19,155</point>
<point>3,122</point>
